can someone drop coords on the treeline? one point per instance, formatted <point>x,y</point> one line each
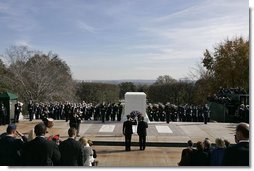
<point>42,77</point>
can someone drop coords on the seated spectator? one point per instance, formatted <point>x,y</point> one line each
<point>198,156</point>
<point>186,155</point>
<point>88,152</point>
<point>217,154</point>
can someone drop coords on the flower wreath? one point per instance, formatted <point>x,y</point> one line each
<point>135,114</point>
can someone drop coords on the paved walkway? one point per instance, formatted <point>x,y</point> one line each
<point>164,141</point>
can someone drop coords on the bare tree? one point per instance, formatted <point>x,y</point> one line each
<point>37,76</point>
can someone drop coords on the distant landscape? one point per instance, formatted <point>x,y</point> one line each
<point>136,82</point>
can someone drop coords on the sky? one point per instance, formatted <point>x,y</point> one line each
<point>123,39</point>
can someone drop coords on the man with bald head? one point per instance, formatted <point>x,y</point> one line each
<point>238,155</point>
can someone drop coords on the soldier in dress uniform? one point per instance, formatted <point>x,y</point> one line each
<point>3,114</point>
<point>103,112</point>
<point>97,112</point>
<point>17,111</point>
<point>75,120</point>
<point>167,111</point>
<point>108,112</point>
<point>200,114</point>
<point>114,112</point>
<point>120,110</point>
<point>206,113</point>
<point>31,110</point>
<point>194,114</point>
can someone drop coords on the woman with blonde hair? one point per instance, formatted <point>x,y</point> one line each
<point>88,152</point>
<point>95,162</point>
<point>217,154</point>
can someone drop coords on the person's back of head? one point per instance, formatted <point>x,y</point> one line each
<point>207,144</point>
<point>190,143</point>
<point>40,129</point>
<point>200,146</point>
<point>142,118</point>
<point>11,129</point>
<point>90,142</point>
<point>242,131</point>
<point>227,143</point>
<point>220,143</point>
<point>72,132</point>
<point>83,141</point>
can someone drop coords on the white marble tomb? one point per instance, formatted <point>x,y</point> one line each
<point>135,101</point>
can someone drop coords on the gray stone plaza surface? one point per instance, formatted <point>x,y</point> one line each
<point>164,141</point>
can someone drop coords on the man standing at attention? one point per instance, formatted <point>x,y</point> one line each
<point>72,152</point>
<point>141,130</point>
<point>39,151</point>
<point>127,131</point>
<point>238,155</point>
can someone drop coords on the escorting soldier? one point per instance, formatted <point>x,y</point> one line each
<point>75,120</point>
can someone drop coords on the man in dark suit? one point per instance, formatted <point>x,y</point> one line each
<point>186,155</point>
<point>10,146</point>
<point>141,130</point>
<point>127,131</point>
<point>198,156</point>
<point>71,150</point>
<point>238,155</point>
<point>39,151</point>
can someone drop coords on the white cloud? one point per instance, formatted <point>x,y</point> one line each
<point>188,37</point>
<point>23,43</point>
<point>84,26</point>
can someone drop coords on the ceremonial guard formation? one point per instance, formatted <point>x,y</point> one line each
<point>182,113</point>
<point>73,111</point>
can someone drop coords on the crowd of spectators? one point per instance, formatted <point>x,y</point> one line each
<point>17,150</point>
<point>221,154</point>
<point>223,95</point>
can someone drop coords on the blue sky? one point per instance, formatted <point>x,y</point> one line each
<point>123,39</point>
